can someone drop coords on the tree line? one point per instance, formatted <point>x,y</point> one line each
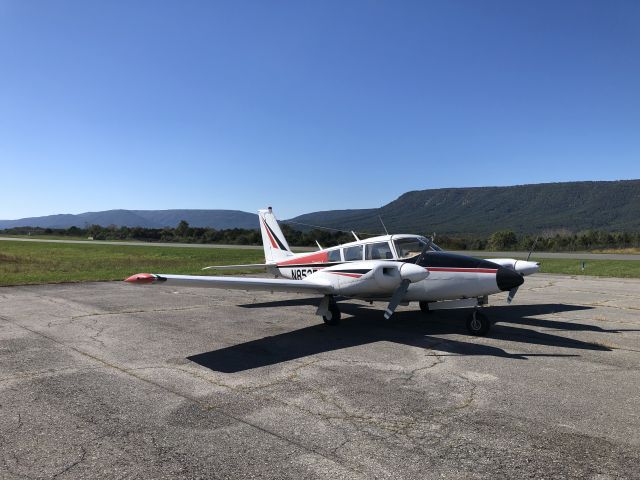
<point>499,240</point>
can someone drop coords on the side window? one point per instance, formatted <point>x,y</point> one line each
<point>334,256</point>
<point>378,251</point>
<point>352,253</point>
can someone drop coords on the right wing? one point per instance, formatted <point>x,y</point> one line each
<point>236,283</point>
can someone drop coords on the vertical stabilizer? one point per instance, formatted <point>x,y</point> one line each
<point>275,245</point>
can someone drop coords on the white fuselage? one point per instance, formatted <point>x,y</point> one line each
<point>345,267</point>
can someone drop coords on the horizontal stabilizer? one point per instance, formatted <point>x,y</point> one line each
<point>249,266</point>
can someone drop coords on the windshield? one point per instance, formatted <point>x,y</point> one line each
<point>412,246</point>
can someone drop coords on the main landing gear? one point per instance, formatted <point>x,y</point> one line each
<point>329,310</point>
<point>424,307</point>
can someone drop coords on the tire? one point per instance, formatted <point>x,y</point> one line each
<point>424,307</point>
<point>478,324</point>
<point>333,317</point>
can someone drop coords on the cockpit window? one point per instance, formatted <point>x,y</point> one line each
<point>334,255</point>
<point>410,247</point>
<point>378,251</point>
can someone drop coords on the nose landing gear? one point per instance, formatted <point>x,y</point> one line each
<point>478,324</point>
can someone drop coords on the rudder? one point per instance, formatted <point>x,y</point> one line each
<point>275,245</point>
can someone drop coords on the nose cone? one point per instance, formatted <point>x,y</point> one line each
<point>413,273</point>
<point>526,268</point>
<point>508,279</point>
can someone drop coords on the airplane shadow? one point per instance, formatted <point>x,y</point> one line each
<point>366,325</point>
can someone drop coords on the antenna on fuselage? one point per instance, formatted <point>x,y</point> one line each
<point>318,243</point>
<point>383,225</point>
<point>355,236</point>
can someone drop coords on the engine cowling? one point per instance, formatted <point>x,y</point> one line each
<point>374,277</point>
<point>412,272</point>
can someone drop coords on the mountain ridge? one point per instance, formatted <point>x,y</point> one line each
<point>528,208</point>
<point>219,219</point>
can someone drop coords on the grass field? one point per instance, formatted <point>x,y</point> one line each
<point>23,263</point>
<point>598,268</point>
<point>48,237</point>
<point>619,250</point>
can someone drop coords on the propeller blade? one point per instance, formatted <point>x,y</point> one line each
<point>532,247</point>
<point>512,293</point>
<point>424,251</point>
<point>397,298</point>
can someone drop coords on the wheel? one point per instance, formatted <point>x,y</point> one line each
<point>333,315</point>
<point>424,307</point>
<point>478,324</point>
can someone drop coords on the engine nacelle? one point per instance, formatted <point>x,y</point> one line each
<point>372,277</point>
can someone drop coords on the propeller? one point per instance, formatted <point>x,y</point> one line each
<point>532,247</point>
<point>397,298</point>
<point>512,293</point>
<point>409,273</point>
<point>424,251</point>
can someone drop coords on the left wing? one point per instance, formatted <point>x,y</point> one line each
<point>236,283</point>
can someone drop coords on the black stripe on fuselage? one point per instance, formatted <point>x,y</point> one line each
<point>353,270</point>
<point>431,259</point>
<point>451,260</point>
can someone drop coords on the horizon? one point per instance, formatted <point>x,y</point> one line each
<point>312,211</point>
<point>308,107</point>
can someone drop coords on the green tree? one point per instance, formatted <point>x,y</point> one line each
<point>182,229</point>
<point>503,240</point>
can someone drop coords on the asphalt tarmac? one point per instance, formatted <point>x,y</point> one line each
<point>111,380</point>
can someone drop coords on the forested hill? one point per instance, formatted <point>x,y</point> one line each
<point>573,206</point>
<point>525,209</point>
<point>219,219</point>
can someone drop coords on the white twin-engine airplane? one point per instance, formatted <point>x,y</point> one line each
<point>392,268</point>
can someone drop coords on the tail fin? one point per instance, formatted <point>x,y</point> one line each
<point>275,245</point>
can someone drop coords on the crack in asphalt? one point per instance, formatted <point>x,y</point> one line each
<point>122,312</point>
<point>189,398</point>
<point>73,464</point>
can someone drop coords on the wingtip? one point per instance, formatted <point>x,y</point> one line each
<point>141,278</point>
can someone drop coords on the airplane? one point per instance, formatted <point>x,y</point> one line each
<point>397,269</point>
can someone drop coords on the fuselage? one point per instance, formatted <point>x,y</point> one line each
<point>451,276</point>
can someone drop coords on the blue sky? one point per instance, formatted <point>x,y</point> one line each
<point>308,106</point>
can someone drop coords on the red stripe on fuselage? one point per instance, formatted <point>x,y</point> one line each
<point>352,275</point>
<point>318,257</point>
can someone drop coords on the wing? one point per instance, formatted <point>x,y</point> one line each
<point>236,283</point>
